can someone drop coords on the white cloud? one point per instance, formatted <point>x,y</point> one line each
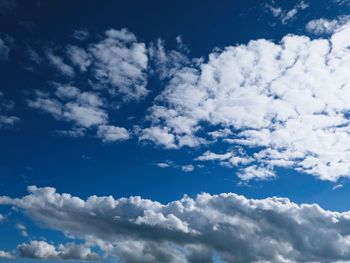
<point>2,218</point>
<point>187,168</point>
<point>234,228</point>
<point>84,108</point>
<point>79,57</point>
<point>59,64</point>
<point>255,172</point>
<point>43,250</point>
<point>6,255</point>
<point>286,98</point>
<point>109,133</point>
<point>286,15</point>
<point>6,106</point>
<point>326,26</point>
<point>120,62</point>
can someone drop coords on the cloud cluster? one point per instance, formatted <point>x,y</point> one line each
<point>234,228</point>
<point>326,26</point>
<point>43,250</point>
<point>85,109</point>
<point>284,102</point>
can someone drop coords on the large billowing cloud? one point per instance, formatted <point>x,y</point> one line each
<point>232,227</point>
<point>286,102</point>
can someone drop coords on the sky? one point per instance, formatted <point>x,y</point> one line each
<point>184,131</point>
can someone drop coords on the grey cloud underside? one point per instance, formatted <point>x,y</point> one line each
<point>43,250</point>
<point>287,99</point>
<point>235,228</point>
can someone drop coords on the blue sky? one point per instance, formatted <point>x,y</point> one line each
<point>179,103</point>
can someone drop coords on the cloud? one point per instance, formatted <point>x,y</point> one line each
<point>79,57</point>
<point>85,109</point>
<point>81,34</point>
<point>2,218</point>
<point>284,104</point>
<point>22,228</point>
<point>326,26</point>
<point>187,168</point>
<point>120,62</point>
<point>6,106</point>
<point>4,49</point>
<point>59,64</point>
<point>286,15</point>
<point>6,255</point>
<point>234,228</point>
<point>43,250</point>
<point>110,133</point>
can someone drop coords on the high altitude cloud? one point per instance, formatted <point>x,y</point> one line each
<point>286,16</point>
<point>85,109</point>
<point>286,102</point>
<point>43,250</point>
<point>235,228</point>
<point>6,106</point>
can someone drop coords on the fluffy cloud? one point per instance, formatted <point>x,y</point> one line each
<point>43,250</point>
<point>284,102</point>
<point>326,26</point>
<point>233,227</point>
<point>120,62</point>
<point>6,255</point>
<point>84,108</point>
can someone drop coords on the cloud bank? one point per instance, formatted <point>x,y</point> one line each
<point>228,226</point>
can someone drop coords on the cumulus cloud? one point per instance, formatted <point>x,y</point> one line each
<point>6,255</point>
<point>284,102</point>
<point>43,250</point>
<point>85,109</point>
<point>286,16</point>
<point>187,168</point>
<point>120,63</point>
<point>234,228</point>
<point>326,26</point>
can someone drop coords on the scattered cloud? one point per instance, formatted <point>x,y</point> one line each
<point>109,133</point>
<point>337,186</point>
<point>85,109</point>
<point>232,227</point>
<point>326,26</point>
<point>279,100</point>
<point>6,255</point>
<point>286,16</point>
<point>187,168</point>
<point>59,64</point>
<point>2,218</point>
<point>81,34</point>
<point>43,250</point>
<point>6,106</point>
<point>22,228</point>
<point>4,50</point>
